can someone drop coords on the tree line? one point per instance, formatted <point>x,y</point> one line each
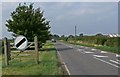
<point>98,39</point>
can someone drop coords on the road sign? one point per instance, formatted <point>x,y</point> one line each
<point>21,42</point>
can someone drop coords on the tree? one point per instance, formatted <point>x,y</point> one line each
<point>99,34</point>
<point>63,36</point>
<point>27,21</point>
<point>81,34</point>
<point>55,36</point>
<point>70,36</point>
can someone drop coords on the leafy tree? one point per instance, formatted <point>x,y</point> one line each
<point>63,36</point>
<point>70,36</point>
<point>81,34</point>
<point>99,34</point>
<point>55,35</point>
<point>27,21</point>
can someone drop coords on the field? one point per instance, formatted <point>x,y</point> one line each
<point>48,63</point>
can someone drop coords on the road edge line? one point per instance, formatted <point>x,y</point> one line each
<point>63,62</point>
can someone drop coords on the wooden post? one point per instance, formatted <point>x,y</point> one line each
<point>6,51</point>
<point>9,51</point>
<point>36,49</point>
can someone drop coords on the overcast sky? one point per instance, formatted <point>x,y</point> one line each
<point>89,17</point>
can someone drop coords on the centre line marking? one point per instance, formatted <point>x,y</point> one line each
<point>99,56</point>
<point>114,61</point>
<point>93,49</point>
<point>106,62</point>
<point>70,46</point>
<point>88,52</point>
<point>117,55</point>
<point>80,50</point>
<point>103,52</point>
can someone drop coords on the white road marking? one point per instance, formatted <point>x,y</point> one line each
<point>67,68</point>
<point>80,50</point>
<point>99,56</point>
<point>93,49</point>
<point>106,62</point>
<point>81,46</point>
<point>115,62</point>
<point>88,52</point>
<point>63,63</point>
<point>103,52</point>
<point>118,60</point>
<point>117,55</point>
<point>70,46</point>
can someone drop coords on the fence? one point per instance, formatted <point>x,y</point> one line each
<point>8,46</point>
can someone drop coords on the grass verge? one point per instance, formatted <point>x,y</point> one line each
<point>104,48</point>
<point>47,66</point>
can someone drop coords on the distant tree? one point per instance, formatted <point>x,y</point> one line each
<point>28,21</point>
<point>55,35</point>
<point>99,34</point>
<point>63,36</point>
<point>81,34</point>
<point>70,36</point>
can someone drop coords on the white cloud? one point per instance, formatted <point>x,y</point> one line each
<point>60,1</point>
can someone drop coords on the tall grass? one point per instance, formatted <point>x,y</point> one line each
<point>47,66</point>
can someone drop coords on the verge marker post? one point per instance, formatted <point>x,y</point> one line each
<point>36,49</point>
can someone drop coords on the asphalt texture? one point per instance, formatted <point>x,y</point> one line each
<point>82,60</point>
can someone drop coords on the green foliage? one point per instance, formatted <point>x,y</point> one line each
<point>99,40</point>
<point>27,21</point>
<point>47,66</point>
<point>81,34</point>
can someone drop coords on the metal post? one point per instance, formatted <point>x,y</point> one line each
<point>36,49</point>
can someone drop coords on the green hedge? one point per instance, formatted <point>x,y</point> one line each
<point>99,40</point>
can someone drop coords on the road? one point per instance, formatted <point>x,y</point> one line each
<point>80,60</point>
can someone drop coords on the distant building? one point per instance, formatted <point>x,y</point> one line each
<point>114,35</point>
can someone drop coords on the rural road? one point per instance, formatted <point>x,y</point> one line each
<point>81,60</point>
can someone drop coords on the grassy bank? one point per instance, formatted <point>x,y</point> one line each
<point>101,47</point>
<point>0,64</point>
<point>47,66</point>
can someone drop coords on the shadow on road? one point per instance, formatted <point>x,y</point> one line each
<point>63,49</point>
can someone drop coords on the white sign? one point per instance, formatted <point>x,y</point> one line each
<point>21,42</point>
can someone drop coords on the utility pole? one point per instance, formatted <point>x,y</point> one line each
<point>75,34</point>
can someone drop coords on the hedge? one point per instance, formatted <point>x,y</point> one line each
<point>99,40</point>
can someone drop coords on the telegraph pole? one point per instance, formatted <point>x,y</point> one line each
<point>75,34</point>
